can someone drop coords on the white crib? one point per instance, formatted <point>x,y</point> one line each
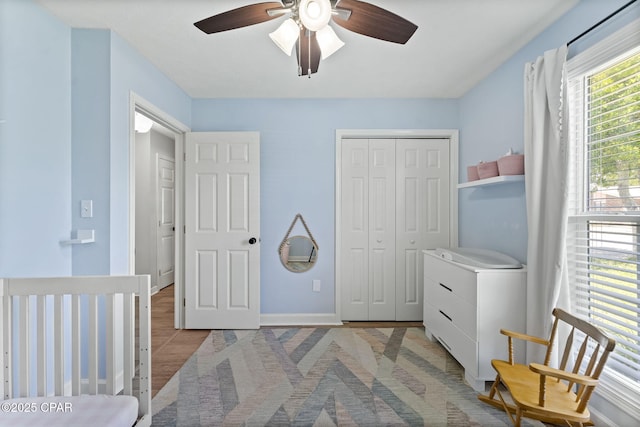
<point>49,325</point>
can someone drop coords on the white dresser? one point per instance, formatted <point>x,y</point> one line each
<point>464,309</point>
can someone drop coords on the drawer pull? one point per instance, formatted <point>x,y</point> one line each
<point>446,287</point>
<point>445,315</point>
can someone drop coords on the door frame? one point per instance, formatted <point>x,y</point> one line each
<point>138,103</point>
<point>451,134</point>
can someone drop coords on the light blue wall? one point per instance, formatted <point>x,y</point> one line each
<point>106,71</point>
<point>90,151</point>
<point>297,155</point>
<point>132,72</point>
<point>35,141</point>
<point>491,122</point>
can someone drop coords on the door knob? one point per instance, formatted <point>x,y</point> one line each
<point>252,240</point>
<point>412,242</point>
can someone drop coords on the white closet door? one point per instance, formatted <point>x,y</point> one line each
<point>382,233</point>
<point>394,203</point>
<point>354,217</point>
<point>368,220</point>
<point>422,217</point>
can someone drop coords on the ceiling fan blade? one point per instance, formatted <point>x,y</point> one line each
<point>238,18</point>
<point>373,21</point>
<point>308,60</point>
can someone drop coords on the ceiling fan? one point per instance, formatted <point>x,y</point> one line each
<point>307,27</point>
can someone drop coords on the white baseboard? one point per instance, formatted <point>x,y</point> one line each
<point>599,418</point>
<point>300,319</point>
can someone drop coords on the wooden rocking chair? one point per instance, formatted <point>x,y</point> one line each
<point>552,395</point>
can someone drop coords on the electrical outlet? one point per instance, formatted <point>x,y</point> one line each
<point>316,286</point>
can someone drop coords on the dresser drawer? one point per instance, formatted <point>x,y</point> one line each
<point>452,307</point>
<point>462,282</point>
<point>461,347</point>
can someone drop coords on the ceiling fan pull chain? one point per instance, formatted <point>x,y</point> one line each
<point>309,54</point>
<point>299,56</point>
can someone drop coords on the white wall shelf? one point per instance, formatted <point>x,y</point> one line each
<point>492,181</point>
<point>82,237</point>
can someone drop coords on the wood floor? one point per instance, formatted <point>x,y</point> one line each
<point>171,348</point>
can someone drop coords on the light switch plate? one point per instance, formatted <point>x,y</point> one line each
<point>86,208</point>
<point>316,286</point>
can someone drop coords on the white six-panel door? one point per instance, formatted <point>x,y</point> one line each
<point>394,203</point>
<point>165,199</point>
<point>422,220</point>
<point>222,219</point>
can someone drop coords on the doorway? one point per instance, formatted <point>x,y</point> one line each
<point>155,202</point>
<point>164,217</point>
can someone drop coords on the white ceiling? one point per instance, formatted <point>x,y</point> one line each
<point>457,44</point>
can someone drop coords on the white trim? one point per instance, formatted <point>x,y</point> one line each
<point>597,56</point>
<point>600,419</point>
<point>451,134</point>
<point>619,394</point>
<point>136,102</point>
<point>300,319</point>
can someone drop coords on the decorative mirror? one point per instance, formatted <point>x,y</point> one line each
<point>298,253</point>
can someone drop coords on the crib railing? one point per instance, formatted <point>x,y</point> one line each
<point>42,325</point>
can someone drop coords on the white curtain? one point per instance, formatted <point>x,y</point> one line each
<point>546,175</point>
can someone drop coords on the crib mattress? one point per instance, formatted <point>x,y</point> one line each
<point>85,410</point>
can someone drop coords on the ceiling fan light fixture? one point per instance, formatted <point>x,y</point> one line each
<point>286,35</point>
<point>314,14</point>
<point>329,41</point>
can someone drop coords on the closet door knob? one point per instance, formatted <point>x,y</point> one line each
<point>252,241</point>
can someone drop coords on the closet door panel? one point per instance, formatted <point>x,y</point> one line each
<point>422,218</point>
<point>382,244</point>
<point>354,219</point>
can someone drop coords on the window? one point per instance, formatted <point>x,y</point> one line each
<point>604,223</point>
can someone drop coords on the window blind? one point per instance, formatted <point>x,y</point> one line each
<point>603,241</point>
<point>605,277</point>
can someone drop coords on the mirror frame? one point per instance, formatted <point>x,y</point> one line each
<point>285,246</point>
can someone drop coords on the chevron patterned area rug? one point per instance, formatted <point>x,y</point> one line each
<point>321,377</point>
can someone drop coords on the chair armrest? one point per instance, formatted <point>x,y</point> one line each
<point>511,335</point>
<point>563,375</point>
<point>524,337</point>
